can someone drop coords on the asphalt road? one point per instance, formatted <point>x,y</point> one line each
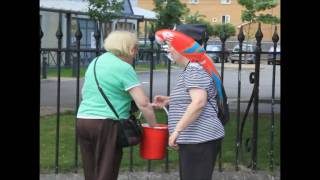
<point>160,79</point>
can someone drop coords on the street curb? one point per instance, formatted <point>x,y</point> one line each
<point>51,110</point>
<point>240,175</point>
<point>266,101</point>
<point>236,66</point>
<point>62,79</point>
<point>218,66</point>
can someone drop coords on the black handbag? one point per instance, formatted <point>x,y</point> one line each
<point>130,130</point>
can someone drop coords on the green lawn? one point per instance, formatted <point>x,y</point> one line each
<point>67,143</point>
<point>67,72</point>
<point>146,67</point>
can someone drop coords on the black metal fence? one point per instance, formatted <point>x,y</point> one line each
<point>154,54</point>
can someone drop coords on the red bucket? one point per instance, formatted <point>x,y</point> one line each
<point>154,142</point>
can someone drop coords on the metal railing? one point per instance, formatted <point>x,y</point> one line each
<point>254,79</point>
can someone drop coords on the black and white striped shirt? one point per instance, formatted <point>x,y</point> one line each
<point>207,127</point>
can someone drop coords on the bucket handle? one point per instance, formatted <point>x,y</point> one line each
<point>164,108</point>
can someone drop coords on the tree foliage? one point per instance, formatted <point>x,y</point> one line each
<point>105,10</point>
<point>252,7</point>
<point>229,29</point>
<point>169,13</point>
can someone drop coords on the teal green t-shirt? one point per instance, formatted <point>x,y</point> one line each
<point>115,77</point>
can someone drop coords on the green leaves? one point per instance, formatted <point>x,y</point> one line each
<point>228,29</point>
<point>194,18</point>
<point>262,5</point>
<point>249,4</point>
<point>105,10</point>
<point>169,13</point>
<point>268,19</point>
<point>248,15</point>
<point>254,6</point>
<point>197,18</point>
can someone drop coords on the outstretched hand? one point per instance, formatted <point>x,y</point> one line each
<point>160,101</point>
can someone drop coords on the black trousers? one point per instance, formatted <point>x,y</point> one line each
<point>196,161</point>
<point>100,154</point>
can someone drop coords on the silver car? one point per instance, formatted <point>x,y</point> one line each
<point>216,57</point>
<point>270,56</point>
<point>245,58</point>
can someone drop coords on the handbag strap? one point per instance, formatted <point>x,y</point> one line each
<point>101,91</point>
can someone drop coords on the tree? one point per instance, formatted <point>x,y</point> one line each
<point>194,18</point>
<point>105,11</point>
<point>229,29</point>
<point>197,18</point>
<point>255,6</point>
<point>169,13</point>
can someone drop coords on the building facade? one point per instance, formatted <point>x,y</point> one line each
<point>224,11</point>
<point>72,12</point>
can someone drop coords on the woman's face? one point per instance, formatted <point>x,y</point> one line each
<point>175,56</point>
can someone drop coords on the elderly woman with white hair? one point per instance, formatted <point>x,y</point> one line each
<point>96,123</point>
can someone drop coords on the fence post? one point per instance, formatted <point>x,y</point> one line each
<point>125,27</point>
<point>275,39</point>
<point>44,67</point>
<point>68,41</point>
<point>97,36</point>
<point>241,38</point>
<point>168,94</point>
<point>145,32</point>
<point>259,37</point>
<point>74,59</point>
<point>223,39</point>
<point>151,38</point>
<point>59,36</point>
<point>78,36</point>
<point>41,35</point>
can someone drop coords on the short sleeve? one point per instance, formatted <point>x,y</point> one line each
<point>196,78</point>
<point>129,79</point>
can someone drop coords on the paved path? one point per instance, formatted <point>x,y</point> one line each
<point>242,175</point>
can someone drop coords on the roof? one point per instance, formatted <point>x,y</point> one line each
<point>66,5</point>
<point>149,15</point>
<point>81,7</point>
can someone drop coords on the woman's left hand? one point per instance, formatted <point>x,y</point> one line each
<point>173,138</point>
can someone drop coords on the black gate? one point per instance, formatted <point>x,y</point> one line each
<point>153,54</point>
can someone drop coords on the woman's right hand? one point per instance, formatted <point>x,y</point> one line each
<point>160,101</point>
<point>143,105</point>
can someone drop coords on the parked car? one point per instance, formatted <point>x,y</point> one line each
<point>141,43</point>
<point>165,47</point>
<point>245,58</point>
<point>270,56</point>
<point>216,57</point>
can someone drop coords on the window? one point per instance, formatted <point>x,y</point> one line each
<point>225,19</point>
<point>87,28</point>
<point>225,1</point>
<point>214,19</point>
<point>194,2</point>
<point>125,26</point>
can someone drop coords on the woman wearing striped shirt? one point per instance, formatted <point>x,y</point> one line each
<point>194,127</point>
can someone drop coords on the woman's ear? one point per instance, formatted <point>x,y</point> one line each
<point>134,50</point>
